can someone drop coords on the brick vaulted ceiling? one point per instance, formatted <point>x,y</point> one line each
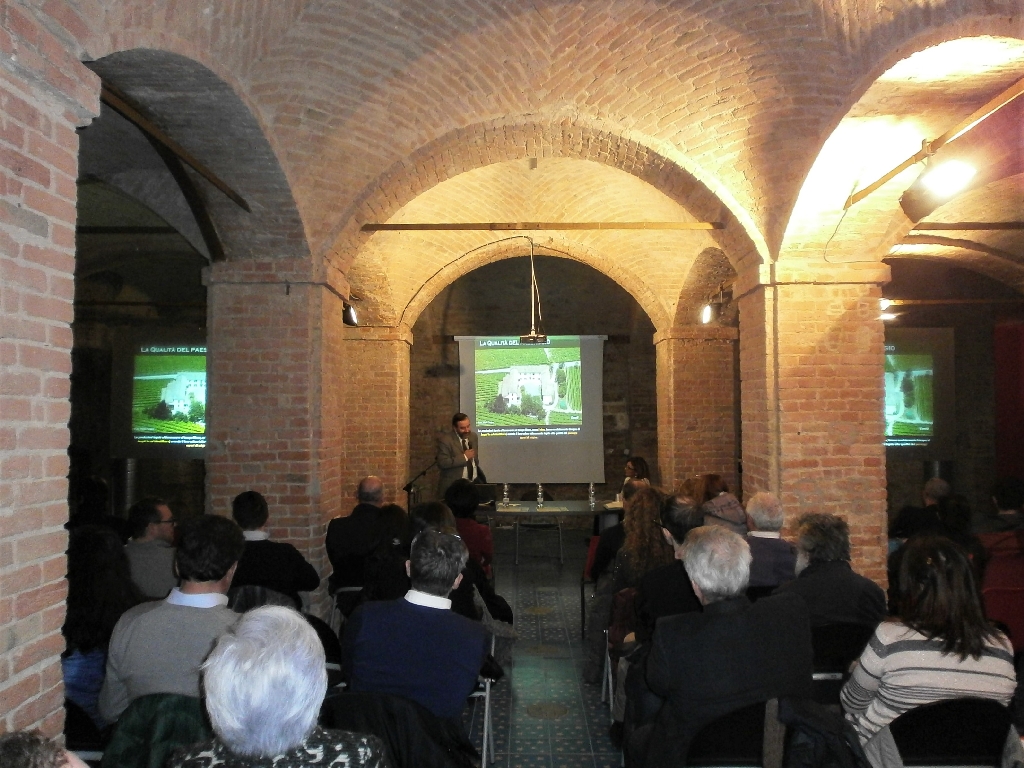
<point>377,111</point>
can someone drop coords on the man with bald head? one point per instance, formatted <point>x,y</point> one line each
<point>350,539</point>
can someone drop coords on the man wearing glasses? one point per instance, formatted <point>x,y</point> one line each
<point>151,549</point>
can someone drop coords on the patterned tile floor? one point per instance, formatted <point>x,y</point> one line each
<point>544,715</point>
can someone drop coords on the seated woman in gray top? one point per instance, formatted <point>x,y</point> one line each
<point>265,681</point>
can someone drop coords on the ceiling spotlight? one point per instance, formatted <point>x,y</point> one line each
<point>948,178</point>
<point>707,314</point>
<point>884,304</point>
<point>885,316</point>
<point>348,315</point>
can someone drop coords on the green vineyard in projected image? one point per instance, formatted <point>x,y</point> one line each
<point>528,386</point>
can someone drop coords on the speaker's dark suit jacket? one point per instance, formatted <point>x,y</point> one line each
<point>451,460</point>
<point>733,654</point>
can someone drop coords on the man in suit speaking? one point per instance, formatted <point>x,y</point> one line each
<point>457,454</point>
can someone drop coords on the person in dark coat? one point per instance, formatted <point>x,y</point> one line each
<point>733,654</point>
<point>774,560</point>
<point>350,540</point>
<point>275,565</point>
<point>417,646</point>
<point>834,594</point>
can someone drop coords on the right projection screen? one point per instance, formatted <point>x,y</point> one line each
<point>919,391</point>
<point>536,407</point>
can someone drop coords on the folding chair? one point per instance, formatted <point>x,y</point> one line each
<point>962,732</point>
<point>483,691</point>
<point>585,579</point>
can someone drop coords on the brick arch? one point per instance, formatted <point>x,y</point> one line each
<point>207,116</point>
<point>543,246</point>
<point>553,136</point>
<point>875,224</point>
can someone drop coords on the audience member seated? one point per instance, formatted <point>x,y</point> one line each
<point>435,515</point>
<point>774,560</point>
<point>30,749</point>
<point>90,505</point>
<point>643,550</point>
<point>720,507</point>
<point>733,654</point>
<point>416,646</point>
<point>351,539</point>
<point>940,648</point>
<point>100,589</point>
<point>157,647</point>
<point>462,498</point>
<point>1008,509</point>
<point>151,549</point>
<point>384,569</point>
<point>834,594</point>
<point>914,520</point>
<point>272,564</point>
<point>666,591</point>
<point>613,536</point>
<point>264,682</point>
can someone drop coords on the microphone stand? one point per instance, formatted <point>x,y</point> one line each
<point>408,486</point>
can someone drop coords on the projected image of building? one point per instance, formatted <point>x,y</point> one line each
<point>534,380</point>
<point>186,388</point>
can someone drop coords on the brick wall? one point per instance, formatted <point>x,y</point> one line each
<point>44,94</point>
<point>822,347</point>
<point>697,408</point>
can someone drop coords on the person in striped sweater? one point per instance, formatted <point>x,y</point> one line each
<point>940,647</point>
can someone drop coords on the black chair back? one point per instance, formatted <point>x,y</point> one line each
<point>954,732</point>
<point>836,647</point>
<point>735,739</point>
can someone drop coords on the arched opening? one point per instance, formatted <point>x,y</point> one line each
<point>494,300</point>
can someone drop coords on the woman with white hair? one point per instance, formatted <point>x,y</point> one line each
<point>264,682</point>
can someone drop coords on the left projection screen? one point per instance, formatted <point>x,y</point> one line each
<point>160,400</point>
<point>537,407</point>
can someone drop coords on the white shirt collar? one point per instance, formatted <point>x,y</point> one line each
<point>205,600</point>
<point>430,601</point>
<point>765,534</point>
<point>256,535</point>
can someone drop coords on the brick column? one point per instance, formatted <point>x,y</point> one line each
<point>273,380</point>
<point>811,365</point>
<point>45,93</point>
<point>696,403</point>
<point>373,409</point>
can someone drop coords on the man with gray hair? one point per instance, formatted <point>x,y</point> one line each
<point>733,654</point>
<point>417,647</point>
<point>774,559</point>
<point>352,538</point>
<point>834,594</point>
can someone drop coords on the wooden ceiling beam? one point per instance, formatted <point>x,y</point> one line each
<point>123,106</point>
<point>518,226</point>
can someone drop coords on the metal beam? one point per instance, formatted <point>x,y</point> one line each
<point>120,103</point>
<point>935,226</point>
<point>518,226</point>
<point>929,148</point>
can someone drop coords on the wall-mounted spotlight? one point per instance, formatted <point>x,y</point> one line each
<point>713,308</point>
<point>348,315</point>
<point>884,305</point>
<point>937,185</point>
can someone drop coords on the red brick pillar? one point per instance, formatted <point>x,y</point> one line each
<point>811,366</point>
<point>273,383</point>
<point>373,413</point>
<point>697,407</point>
<point>45,93</point>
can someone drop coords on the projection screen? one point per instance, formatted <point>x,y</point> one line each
<point>537,407</point>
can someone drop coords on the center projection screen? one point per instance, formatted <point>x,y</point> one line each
<point>536,407</point>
